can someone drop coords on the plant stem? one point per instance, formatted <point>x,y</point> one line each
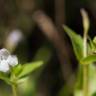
<point>85,81</point>
<point>14,90</point>
<point>14,84</point>
<point>85,69</point>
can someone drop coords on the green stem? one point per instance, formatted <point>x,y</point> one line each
<point>85,81</point>
<point>85,69</point>
<point>14,90</point>
<point>14,83</point>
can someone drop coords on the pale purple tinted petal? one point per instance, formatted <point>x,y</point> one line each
<point>15,36</point>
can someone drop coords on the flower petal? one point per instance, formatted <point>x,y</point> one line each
<point>4,67</point>
<point>12,60</point>
<point>4,53</point>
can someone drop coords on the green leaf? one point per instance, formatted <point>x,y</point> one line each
<point>17,69</point>
<point>77,42</point>
<point>5,78</point>
<point>94,40</point>
<point>94,94</point>
<point>79,78</point>
<point>28,68</point>
<point>89,59</point>
<point>91,45</point>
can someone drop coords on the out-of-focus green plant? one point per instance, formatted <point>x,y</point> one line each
<point>11,72</point>
<point>85,53</point>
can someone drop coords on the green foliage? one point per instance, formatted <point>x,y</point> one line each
<point>20,71</point>
<point>28,68</point>
<point>77,42</point>
<point>94,94</point>
<point>94,40</point>
<point>18,74</point>
<point>5,78</point>
<point>17,69</point>
<point>86,55</point>
<point>89,59</point>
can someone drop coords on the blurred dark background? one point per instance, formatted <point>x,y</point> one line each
<point>32,29</point>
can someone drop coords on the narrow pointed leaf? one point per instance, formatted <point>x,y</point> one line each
<point>28,68</point>
<point>17,69</point>
<point>91,47</point>
<point>94,40</point>
<point>77,42</point>
<point>89,59</point>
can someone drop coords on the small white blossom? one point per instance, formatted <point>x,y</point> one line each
<point>4,54</point>
<point>12,60</point>
<point>7,60</point>
<point>4,67</point>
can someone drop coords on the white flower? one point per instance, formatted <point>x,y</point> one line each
<point>4,54</point>
<point>7,60</point>
<point>4,67</point>
<point>12,60</point>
